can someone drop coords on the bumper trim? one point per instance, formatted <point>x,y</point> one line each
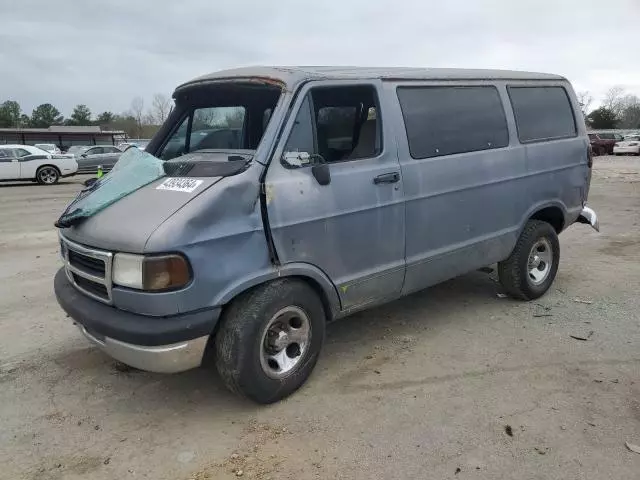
<point>589,217</point>
<point>173,358</point>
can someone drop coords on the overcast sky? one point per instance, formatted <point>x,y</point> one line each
<point>103,53</point>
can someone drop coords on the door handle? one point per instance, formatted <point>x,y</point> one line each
<point>387,178</point>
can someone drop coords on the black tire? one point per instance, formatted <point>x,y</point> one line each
<point>240,340</point>
<point>514,272</point>
<point>47,175</point>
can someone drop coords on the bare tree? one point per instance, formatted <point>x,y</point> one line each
<point>137,109</point>
<point>160,107</point>
<point>613,100</point>
<point>584,99</point>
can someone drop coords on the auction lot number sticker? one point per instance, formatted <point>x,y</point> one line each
<point>186,185</point>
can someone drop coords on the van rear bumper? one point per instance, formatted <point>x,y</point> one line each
<point>157,344</point>
<point>589,216</point>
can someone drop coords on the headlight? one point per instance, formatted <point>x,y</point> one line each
<point>151,273</point>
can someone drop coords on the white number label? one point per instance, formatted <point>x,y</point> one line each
<point>186,185</point>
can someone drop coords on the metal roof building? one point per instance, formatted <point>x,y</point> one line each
<point>62,136</point>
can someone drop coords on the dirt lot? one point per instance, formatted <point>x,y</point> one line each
<point>421,388</point>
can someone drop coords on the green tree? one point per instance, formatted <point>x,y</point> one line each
<point>81,115</point>
<point>105,118</point>
<point>602,118</point>
<point>45,115</point>
<point>9,114</point>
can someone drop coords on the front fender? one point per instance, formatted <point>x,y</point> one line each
<point>296,269</point>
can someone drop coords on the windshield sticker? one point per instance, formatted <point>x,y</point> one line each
<point>186,185</point>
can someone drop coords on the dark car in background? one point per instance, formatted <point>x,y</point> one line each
<point>603,143</point>
<point>92,157</point>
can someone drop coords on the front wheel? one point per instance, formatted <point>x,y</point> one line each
<point>270,339</point>
<point>532,266</point>
<point>47,175</point>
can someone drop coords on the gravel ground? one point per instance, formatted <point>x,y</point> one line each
<point>450,382</point>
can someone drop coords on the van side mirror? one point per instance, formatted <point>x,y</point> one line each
<point>296,159</point>
<point>322,173</point>
<point>319,167</point>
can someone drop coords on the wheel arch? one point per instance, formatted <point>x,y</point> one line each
<point>554,213</point>
<point>308,273</point>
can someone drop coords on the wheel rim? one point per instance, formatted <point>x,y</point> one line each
<point>48,175</point>
<point>540,261</point>
<point>284,342</point>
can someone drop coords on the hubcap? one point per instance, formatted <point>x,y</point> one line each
<point>540,261</point>
<point>284,342</point>
<point>48,175</point>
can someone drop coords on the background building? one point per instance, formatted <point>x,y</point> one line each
<point>62,136</point>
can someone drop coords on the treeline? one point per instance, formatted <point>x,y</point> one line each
<point>137,122</point>
<point>618,109</point>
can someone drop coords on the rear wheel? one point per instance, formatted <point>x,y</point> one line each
<point>270,339</point>
<point>47,175</point>
<point>532,266</point>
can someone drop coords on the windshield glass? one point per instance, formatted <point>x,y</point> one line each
<point>221,117</point>
<point>633,138</point>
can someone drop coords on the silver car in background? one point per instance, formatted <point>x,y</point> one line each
<point>104,156</point>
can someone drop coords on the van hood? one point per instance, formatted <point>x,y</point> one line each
<point>127,224</point>
<point>120,211</point>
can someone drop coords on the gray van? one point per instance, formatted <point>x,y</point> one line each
<point>274,200</point>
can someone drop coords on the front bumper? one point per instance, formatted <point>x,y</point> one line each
<point>156,344</point>
<point>589,216</point>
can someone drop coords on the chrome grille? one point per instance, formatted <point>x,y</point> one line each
<point>88,269</point>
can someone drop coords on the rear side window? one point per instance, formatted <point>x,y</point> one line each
<point>448,120</point>
<point>542,113</point>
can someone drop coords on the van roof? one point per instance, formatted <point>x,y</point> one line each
<point>290,76</point>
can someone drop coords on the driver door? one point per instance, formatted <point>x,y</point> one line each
<point>352,228</point>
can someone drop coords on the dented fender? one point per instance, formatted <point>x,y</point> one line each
<point>303,270</point>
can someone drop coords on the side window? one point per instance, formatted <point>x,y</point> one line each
<point>94,151</point>
<point>449,120</point>
<point>301,138</point>
<point>338,123</point>
<point>5,155</point>
<point>21,152</point>
<point>542,113</point>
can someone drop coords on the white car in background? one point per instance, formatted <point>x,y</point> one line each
<point>25,162</point>
<point>630,145</point>
<point>52,149</point>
